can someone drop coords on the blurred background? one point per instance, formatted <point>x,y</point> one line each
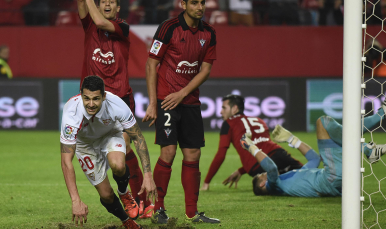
<point>284,56</point>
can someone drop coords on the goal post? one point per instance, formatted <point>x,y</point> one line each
<point>351,154</point>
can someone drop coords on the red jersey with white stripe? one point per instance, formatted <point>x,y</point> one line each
<point>107,54</point>
<point>181,51</point>
<point>231,132</point>
<point>78,125</point>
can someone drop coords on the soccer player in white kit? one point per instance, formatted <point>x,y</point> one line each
<point>91,129</point>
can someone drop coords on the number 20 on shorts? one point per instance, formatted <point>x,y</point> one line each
<point>86,163</point>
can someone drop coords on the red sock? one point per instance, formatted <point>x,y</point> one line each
<point>136,177</point>
<point>190,178</point>
<point>162,172</point>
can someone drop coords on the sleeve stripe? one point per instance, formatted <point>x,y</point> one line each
<point>166,26</point>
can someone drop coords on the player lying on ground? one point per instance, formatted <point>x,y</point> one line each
<point>234,126</point>
<point>311,181</point>
<point>92,130</point>
<point>106,54</point>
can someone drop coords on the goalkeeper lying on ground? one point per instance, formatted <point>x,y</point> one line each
<point>311,181</point>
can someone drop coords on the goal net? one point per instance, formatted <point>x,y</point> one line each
<point>373,85</point>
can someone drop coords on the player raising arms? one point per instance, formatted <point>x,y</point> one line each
<point>185,48</point>
<point>234,126</point>
<point>92,130</point>
<point>106,54</point>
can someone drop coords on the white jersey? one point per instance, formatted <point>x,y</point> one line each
<point>78,125</point>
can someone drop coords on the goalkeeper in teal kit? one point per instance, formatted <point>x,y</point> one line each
<point>311,181</point>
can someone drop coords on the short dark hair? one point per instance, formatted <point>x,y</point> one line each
<point>256,186</point>
<point>235,100</point>
<point>118,2</point>
<point>93,83</point>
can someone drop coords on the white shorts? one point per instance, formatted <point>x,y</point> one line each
<point>92,157</point>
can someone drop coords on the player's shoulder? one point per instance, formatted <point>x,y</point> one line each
<point>165,30</point>
<point>169,23</point>
<point>121,21</point>
<point>208,27</point>
<point>73,103</point>
<point>115,102</point>
<point>72,110</point>
<point>235,117</point>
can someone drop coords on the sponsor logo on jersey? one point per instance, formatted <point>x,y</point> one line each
<point>106,121</point>
<point>202,42</point>
<point>156,47</point>
<point>185,67</point>
<point>104,58</point>
<point>260,139</point>
<point>70,132</point>
<point>167,132</point>
<point>118,145</point>
<point>92,176</point>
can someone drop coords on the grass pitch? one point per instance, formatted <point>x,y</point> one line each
<point>33,193</point>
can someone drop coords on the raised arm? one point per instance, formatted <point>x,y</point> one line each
<point>135,134</point>
<point>82,9</point>
<point>266,163</point>
<point>100,21</point>
<point>79,209</point>
<point>151,81</point>
<point>172,100</point>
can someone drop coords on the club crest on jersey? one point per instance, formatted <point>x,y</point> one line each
<point>167,132</point>
<point>202,42</point>
<point>156,47</point>
<point>69,132</point>
<point>104,58</point>
<point>106,122</point>
<point>92,176</point>
<point>107,34</point>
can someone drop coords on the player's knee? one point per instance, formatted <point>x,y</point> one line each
<point>118,168</point>
<point>168,154</point>
<point>321,131</point>
<point>191,154</point>
<point>107,196</point>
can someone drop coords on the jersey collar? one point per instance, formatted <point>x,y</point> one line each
<point>185,26</point>
<point>98,115</point>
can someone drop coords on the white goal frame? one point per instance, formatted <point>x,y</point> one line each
<point>351,155</point>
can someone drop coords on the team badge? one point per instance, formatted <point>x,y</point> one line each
<point>107,34</point>
<point>202,42</point>
<point>156,47</point>
<point>106,122</point>
<point>167,132</point>
<point>70,132</point>
<point>92,176</point>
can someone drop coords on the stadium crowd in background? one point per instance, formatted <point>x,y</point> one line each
<point>311,181</point>
<point>91,129</point>
<point>235,125</point>
<point>231,12</point>
<point>184,48</point>
<point>106,54</point>
<point>5,70</point>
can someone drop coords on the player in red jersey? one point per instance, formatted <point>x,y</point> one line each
<point>185,48</point>
<point>106,54</point>
<point>234,126</point>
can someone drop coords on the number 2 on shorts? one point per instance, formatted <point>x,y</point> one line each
<point>167,123</point>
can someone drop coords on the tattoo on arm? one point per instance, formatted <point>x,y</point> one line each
<point>135,134</point>
<point>67,148</point>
